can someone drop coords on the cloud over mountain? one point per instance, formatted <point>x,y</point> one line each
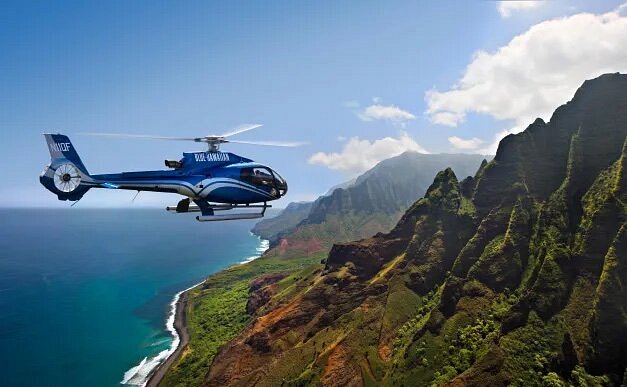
<point>359,155</point>
<point>465,144</point>
<point>385,112</point>
<point>542,66</point>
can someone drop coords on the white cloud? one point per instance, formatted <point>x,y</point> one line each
<point>506,8</point>
<point>359,155</point>
<point>491,148</point>
<point>385,112</point>
<point>536,71</point>
<point>465,144</point>
<point>447,118</point>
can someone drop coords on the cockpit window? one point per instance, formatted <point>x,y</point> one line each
<point>257,176</point>
<point>265,177</point>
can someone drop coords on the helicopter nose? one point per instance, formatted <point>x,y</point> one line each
<point>280,183</point>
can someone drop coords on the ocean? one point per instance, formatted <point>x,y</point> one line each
<point>85,293</point>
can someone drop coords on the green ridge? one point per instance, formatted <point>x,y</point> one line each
<point>516,276</point>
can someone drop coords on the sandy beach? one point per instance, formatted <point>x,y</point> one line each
<point>180,324</point>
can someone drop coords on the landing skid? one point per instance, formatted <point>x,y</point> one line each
<point>207,210</point>
<point>214,218</point>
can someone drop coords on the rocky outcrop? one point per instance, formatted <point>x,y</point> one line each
<point>261,291</point>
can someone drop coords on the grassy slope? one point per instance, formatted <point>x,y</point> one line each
<point>217,313</point>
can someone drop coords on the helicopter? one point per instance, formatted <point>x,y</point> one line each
<point>213,180</point>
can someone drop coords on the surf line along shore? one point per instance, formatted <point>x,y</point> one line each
<point>180,325</point>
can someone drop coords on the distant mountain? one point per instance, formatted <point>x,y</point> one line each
<point>517,276</point>
<point>343,185</point>
<point>290,217</point>
<point>372,203</point>
<point>391,185</point>
<point>295,212</point>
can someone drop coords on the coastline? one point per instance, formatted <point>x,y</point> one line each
<point>142,374</point>
<point>179,325</point>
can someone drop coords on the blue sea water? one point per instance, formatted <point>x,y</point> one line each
<point>85,293</point>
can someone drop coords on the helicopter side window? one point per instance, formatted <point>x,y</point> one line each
<point>257,176</point>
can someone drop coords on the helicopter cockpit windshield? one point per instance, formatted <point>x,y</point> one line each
<point>264,177</point>
<point>280,182</point>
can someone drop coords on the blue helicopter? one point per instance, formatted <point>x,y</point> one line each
<point>212,180</point>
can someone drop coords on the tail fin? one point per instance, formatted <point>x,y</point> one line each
<point>62,150</point>
<point>66,176</point>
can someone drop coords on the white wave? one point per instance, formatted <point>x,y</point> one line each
<point>139,375</point>
<point>264,245</point>
<point>128,375</point>
<point>159,343</point>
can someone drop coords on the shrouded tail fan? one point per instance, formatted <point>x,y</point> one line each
<point>67,178</point>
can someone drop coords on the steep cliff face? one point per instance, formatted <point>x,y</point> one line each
<point>516,276</point>
<point>392,185</point>
<point>374,202</point>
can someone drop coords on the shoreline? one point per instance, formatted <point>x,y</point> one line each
<point>176,325</point>
<point>180,324</point>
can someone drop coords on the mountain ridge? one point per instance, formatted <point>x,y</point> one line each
<point>514,276</point>
<point>372,203</point>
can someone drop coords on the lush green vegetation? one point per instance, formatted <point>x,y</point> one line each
<point>217,313</point>
<point>514,277</point>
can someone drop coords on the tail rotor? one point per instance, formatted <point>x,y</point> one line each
<point>67,178</point>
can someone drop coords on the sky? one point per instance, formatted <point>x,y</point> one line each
<point>359,81</point>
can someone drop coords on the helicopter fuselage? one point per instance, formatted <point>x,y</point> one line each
<point>218,177</point>
<point>211,176</point>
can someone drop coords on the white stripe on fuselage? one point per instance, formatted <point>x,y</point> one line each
<point>214,183</point>
<point>188,189</point>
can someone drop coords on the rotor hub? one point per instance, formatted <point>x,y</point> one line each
<point>213,142</point>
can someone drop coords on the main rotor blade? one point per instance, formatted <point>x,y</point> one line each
<point>240,129</point>
<point>270,143</point>
<point>147,136</point>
